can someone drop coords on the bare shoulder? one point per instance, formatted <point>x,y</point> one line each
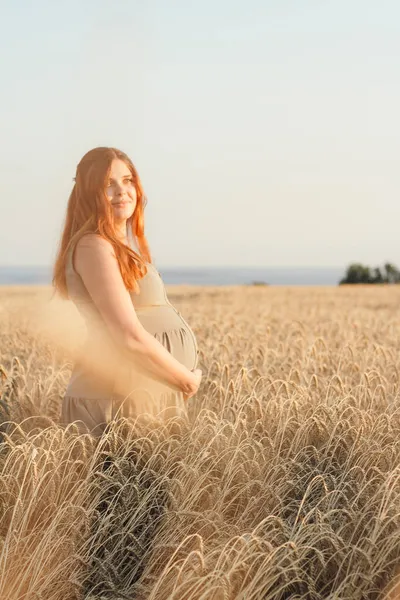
<point>95,242</point>
<point>91,252</point>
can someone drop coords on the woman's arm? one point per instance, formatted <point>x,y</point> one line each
<point>96,263</point>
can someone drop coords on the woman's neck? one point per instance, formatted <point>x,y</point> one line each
<point>122,232</point>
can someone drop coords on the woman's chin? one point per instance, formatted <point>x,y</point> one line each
<point>122,213</point>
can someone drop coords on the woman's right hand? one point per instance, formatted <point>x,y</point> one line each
<point>193,384</point>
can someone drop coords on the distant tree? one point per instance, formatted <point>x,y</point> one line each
<point>392,273</point>
<point>378,277</point>
<point>359,273</point>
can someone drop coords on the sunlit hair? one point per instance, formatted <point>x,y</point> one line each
<point>89,210</point>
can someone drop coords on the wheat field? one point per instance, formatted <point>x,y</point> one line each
<point>284,482</point>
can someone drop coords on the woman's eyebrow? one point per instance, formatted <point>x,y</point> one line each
<point>123,177</point>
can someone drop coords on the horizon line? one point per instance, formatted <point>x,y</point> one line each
<point>220,266</point>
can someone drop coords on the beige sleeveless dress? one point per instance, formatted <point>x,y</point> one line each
<point>105,383</point>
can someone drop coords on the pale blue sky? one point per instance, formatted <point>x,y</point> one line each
<point>265,132</point>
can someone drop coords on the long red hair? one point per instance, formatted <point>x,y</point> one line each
<point>89,210</point>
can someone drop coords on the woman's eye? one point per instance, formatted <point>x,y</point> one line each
<point>110,183</point>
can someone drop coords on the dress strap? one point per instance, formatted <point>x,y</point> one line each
<point>69,264</point>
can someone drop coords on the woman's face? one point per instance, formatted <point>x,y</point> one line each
<point>121,191</point>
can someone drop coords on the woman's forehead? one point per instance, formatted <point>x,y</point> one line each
<point>119,168</point>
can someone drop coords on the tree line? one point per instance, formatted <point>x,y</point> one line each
<point>359,273</point>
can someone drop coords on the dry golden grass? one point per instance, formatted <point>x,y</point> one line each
<point>285,482</point>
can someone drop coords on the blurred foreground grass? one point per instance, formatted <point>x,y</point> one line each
<point>284,483</point>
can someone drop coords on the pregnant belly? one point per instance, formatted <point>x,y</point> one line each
<point>168,326</point>
<point>101,370</point>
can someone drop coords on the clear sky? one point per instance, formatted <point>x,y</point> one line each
<point>265,132</point>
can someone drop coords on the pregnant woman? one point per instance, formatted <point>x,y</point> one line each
<point>140,355</point>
